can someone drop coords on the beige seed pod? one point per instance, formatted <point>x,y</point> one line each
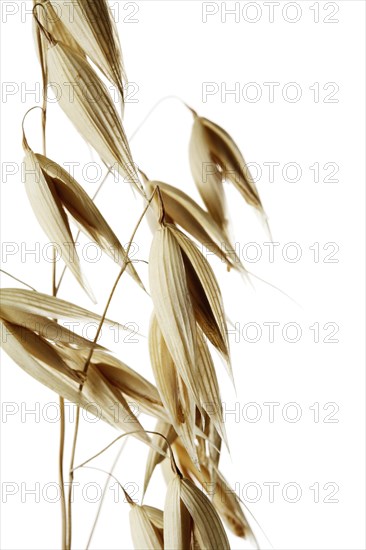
<point>174,393</point>
<point>51,216</point>
<point>74,201</point>
<point>91,24</point>
<point>185,212</point>
<point>205,295</point>
<point>223,496</point>
<point>22,343</point>
<point>184,498</point>
<point>86,101</point>
<point>156,516</point>
<point>56,357</point>
<point>47,16</point>
<point>172,304</point>
<point>215,158</point>
<point>144,533</point>
<point>132,385</point>
<point>177,521</point>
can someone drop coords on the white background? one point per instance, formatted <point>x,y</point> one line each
<point>170,50</point>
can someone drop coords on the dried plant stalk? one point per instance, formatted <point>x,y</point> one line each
<point>188,316</point>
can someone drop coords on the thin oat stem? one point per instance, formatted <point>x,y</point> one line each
<point>61,471</point>
<point>151,432</point>
<point>25,142</point>
<point>54,291</point>
<point>40,26</point>
<point>71,479</point>
<point>54,287</point>
<point>128,498</point>
<point>16,279</point>
<point>44,79</point>
<point>68,514</point>
<point>274,287</point>
<point>118,456</point>
<point>155,106</point>
<point>123,269</point>
<point>62,434</point>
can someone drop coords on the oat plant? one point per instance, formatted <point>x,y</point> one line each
<point>188,321</point>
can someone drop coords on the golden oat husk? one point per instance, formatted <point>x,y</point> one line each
<point>48,20</point>
<point>205,295</point>
<point>27,348</point>
<point>156,516</point>
<point>185,212</point>
<point>215,158</point>
<point>209,530</point>
<point>86,101</point>
<point>224,498</point>
<point>48,209</point>
<point>173,392</point>
<point>16,302</point>
<point>50,367</point>
<point>144,533</point>
<point>91,24</point>
<point>77,203</point>
<point>132,385</point>
<point>208,387</point>
<point>177,521</point>
<point>173,306</point>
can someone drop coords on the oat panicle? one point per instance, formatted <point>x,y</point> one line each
<point>188,324</point>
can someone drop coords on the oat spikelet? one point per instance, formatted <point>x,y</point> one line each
<point>205,295</point>
<point>177,521</point>
<point>145,534</point>
<point>51,216</point>
<point>86,101</point>
<point>71,198</point>
<point>223,496</point>
<point>215,158</point>
<point>132,385</point>
<point>34,354</point>
<point>185,212</point>
<point>208,528</point>
<point>175,396</point>
<point>47,15</point>
<point>172,304</point>
<point>91,24</point>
